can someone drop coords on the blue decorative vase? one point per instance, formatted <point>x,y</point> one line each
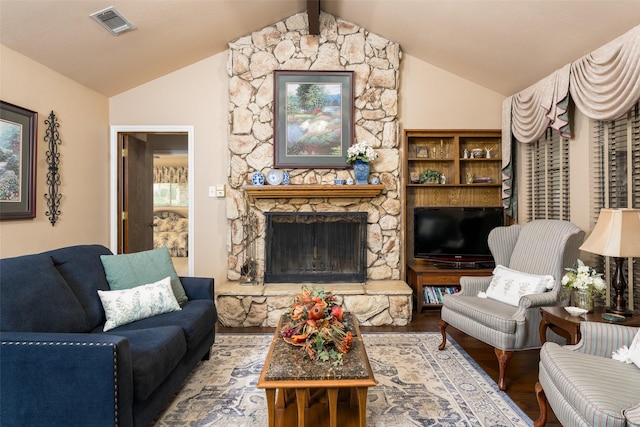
<point>286,178</point>
<point>257,179</point>
<point>361,170</point>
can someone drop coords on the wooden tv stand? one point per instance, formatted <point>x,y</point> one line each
<point>423,275</point>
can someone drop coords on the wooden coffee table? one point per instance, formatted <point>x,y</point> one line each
<point>324,395</point>
<point>559,320</point>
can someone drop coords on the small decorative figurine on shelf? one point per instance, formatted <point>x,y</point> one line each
<point>488,151</point>
<point>469,178</point>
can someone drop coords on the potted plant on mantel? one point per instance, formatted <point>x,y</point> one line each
<point>360,155</point>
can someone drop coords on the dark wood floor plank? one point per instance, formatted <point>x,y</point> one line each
<point>522,372</point>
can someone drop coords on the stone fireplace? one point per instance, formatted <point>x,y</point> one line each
<point>341,45</point>
<point>315,247</point>
<point>381,297</point>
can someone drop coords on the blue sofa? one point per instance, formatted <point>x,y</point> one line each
<point>58,367</point>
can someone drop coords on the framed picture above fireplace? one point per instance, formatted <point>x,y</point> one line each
<point>313,123</point>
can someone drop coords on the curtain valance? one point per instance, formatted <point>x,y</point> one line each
<point>170,174</point>
<point>605,84</point>
<point>541,106</point>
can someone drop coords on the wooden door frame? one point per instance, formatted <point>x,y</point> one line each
<point>114,158</point>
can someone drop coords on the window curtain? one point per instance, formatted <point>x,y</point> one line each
<point>603,85</point>
<point>525,117</point>
<point>509,188</point>
<point>170,175</point>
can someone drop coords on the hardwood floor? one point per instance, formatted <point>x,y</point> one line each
<point>522,372</point>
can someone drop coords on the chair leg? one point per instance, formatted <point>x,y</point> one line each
<point>443,326</point>
<point>542,403</point>
<point>503,359</point>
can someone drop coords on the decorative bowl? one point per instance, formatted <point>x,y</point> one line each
<point>275,177</point>
<point>575,311</point>
<point>477,153</point>
<point>339,181</point>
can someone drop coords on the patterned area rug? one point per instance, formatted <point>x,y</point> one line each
<point>417,386</point>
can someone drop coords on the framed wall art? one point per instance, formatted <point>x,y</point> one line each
<point>18,131</point>
<point>313,123</point>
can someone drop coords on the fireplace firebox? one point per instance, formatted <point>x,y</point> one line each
<point>315,247</point>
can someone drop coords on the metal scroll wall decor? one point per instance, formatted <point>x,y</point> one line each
<point>53,175</point>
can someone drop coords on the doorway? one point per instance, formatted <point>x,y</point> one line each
<point>133,215</point>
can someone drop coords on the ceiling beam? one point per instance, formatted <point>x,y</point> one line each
<point>313,12</point>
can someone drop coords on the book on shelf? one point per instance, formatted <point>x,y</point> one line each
<point>433,294</point>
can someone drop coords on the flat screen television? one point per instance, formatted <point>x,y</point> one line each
<point>455,235</point>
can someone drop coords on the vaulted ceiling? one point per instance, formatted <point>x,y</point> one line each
<point>503,45</point>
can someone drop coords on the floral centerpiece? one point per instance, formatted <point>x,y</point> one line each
<point>362,151</point>
<point>584,280</point>
<point>317,324</point>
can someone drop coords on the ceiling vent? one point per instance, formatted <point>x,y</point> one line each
<point>113,21</point>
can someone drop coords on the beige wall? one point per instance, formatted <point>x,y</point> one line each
<point>432,98</point>
<point>193,96</point>
<point>84,154</point>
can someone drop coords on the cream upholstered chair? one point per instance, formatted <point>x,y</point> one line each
<point>540,247</point>
<point>583,384</point>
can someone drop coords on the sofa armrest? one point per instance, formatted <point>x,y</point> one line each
<point>602,339</point>
<point>198,287</point>
<point>471,285</point>
<point>65,379</point>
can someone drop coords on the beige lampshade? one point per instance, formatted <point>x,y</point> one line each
<point>616,234</point>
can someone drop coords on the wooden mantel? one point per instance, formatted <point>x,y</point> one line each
<point>308,191</point>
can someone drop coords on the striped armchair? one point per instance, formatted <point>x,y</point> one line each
<point>541,247</point>
<point>584,385</point>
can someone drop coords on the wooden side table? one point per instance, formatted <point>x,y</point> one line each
<point>559,320</point>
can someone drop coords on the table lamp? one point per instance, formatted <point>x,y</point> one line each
<point>616,234</point>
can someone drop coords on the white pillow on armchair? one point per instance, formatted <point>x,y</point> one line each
<point>508,285</point>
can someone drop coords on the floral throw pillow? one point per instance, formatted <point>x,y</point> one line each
<point>129,305</point>
<point>509,285</point>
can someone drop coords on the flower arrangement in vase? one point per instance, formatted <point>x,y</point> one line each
<point>360,155</point>
<point>584,283</point>
<point>316,323</point>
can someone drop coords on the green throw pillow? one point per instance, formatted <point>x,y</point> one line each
<point>127,271</point>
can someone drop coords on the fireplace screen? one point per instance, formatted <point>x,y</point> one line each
<point>315,247</point>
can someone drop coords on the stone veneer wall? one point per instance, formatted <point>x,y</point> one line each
<point>341,45</point>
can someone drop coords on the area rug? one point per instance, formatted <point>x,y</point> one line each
<point>417,386</point>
